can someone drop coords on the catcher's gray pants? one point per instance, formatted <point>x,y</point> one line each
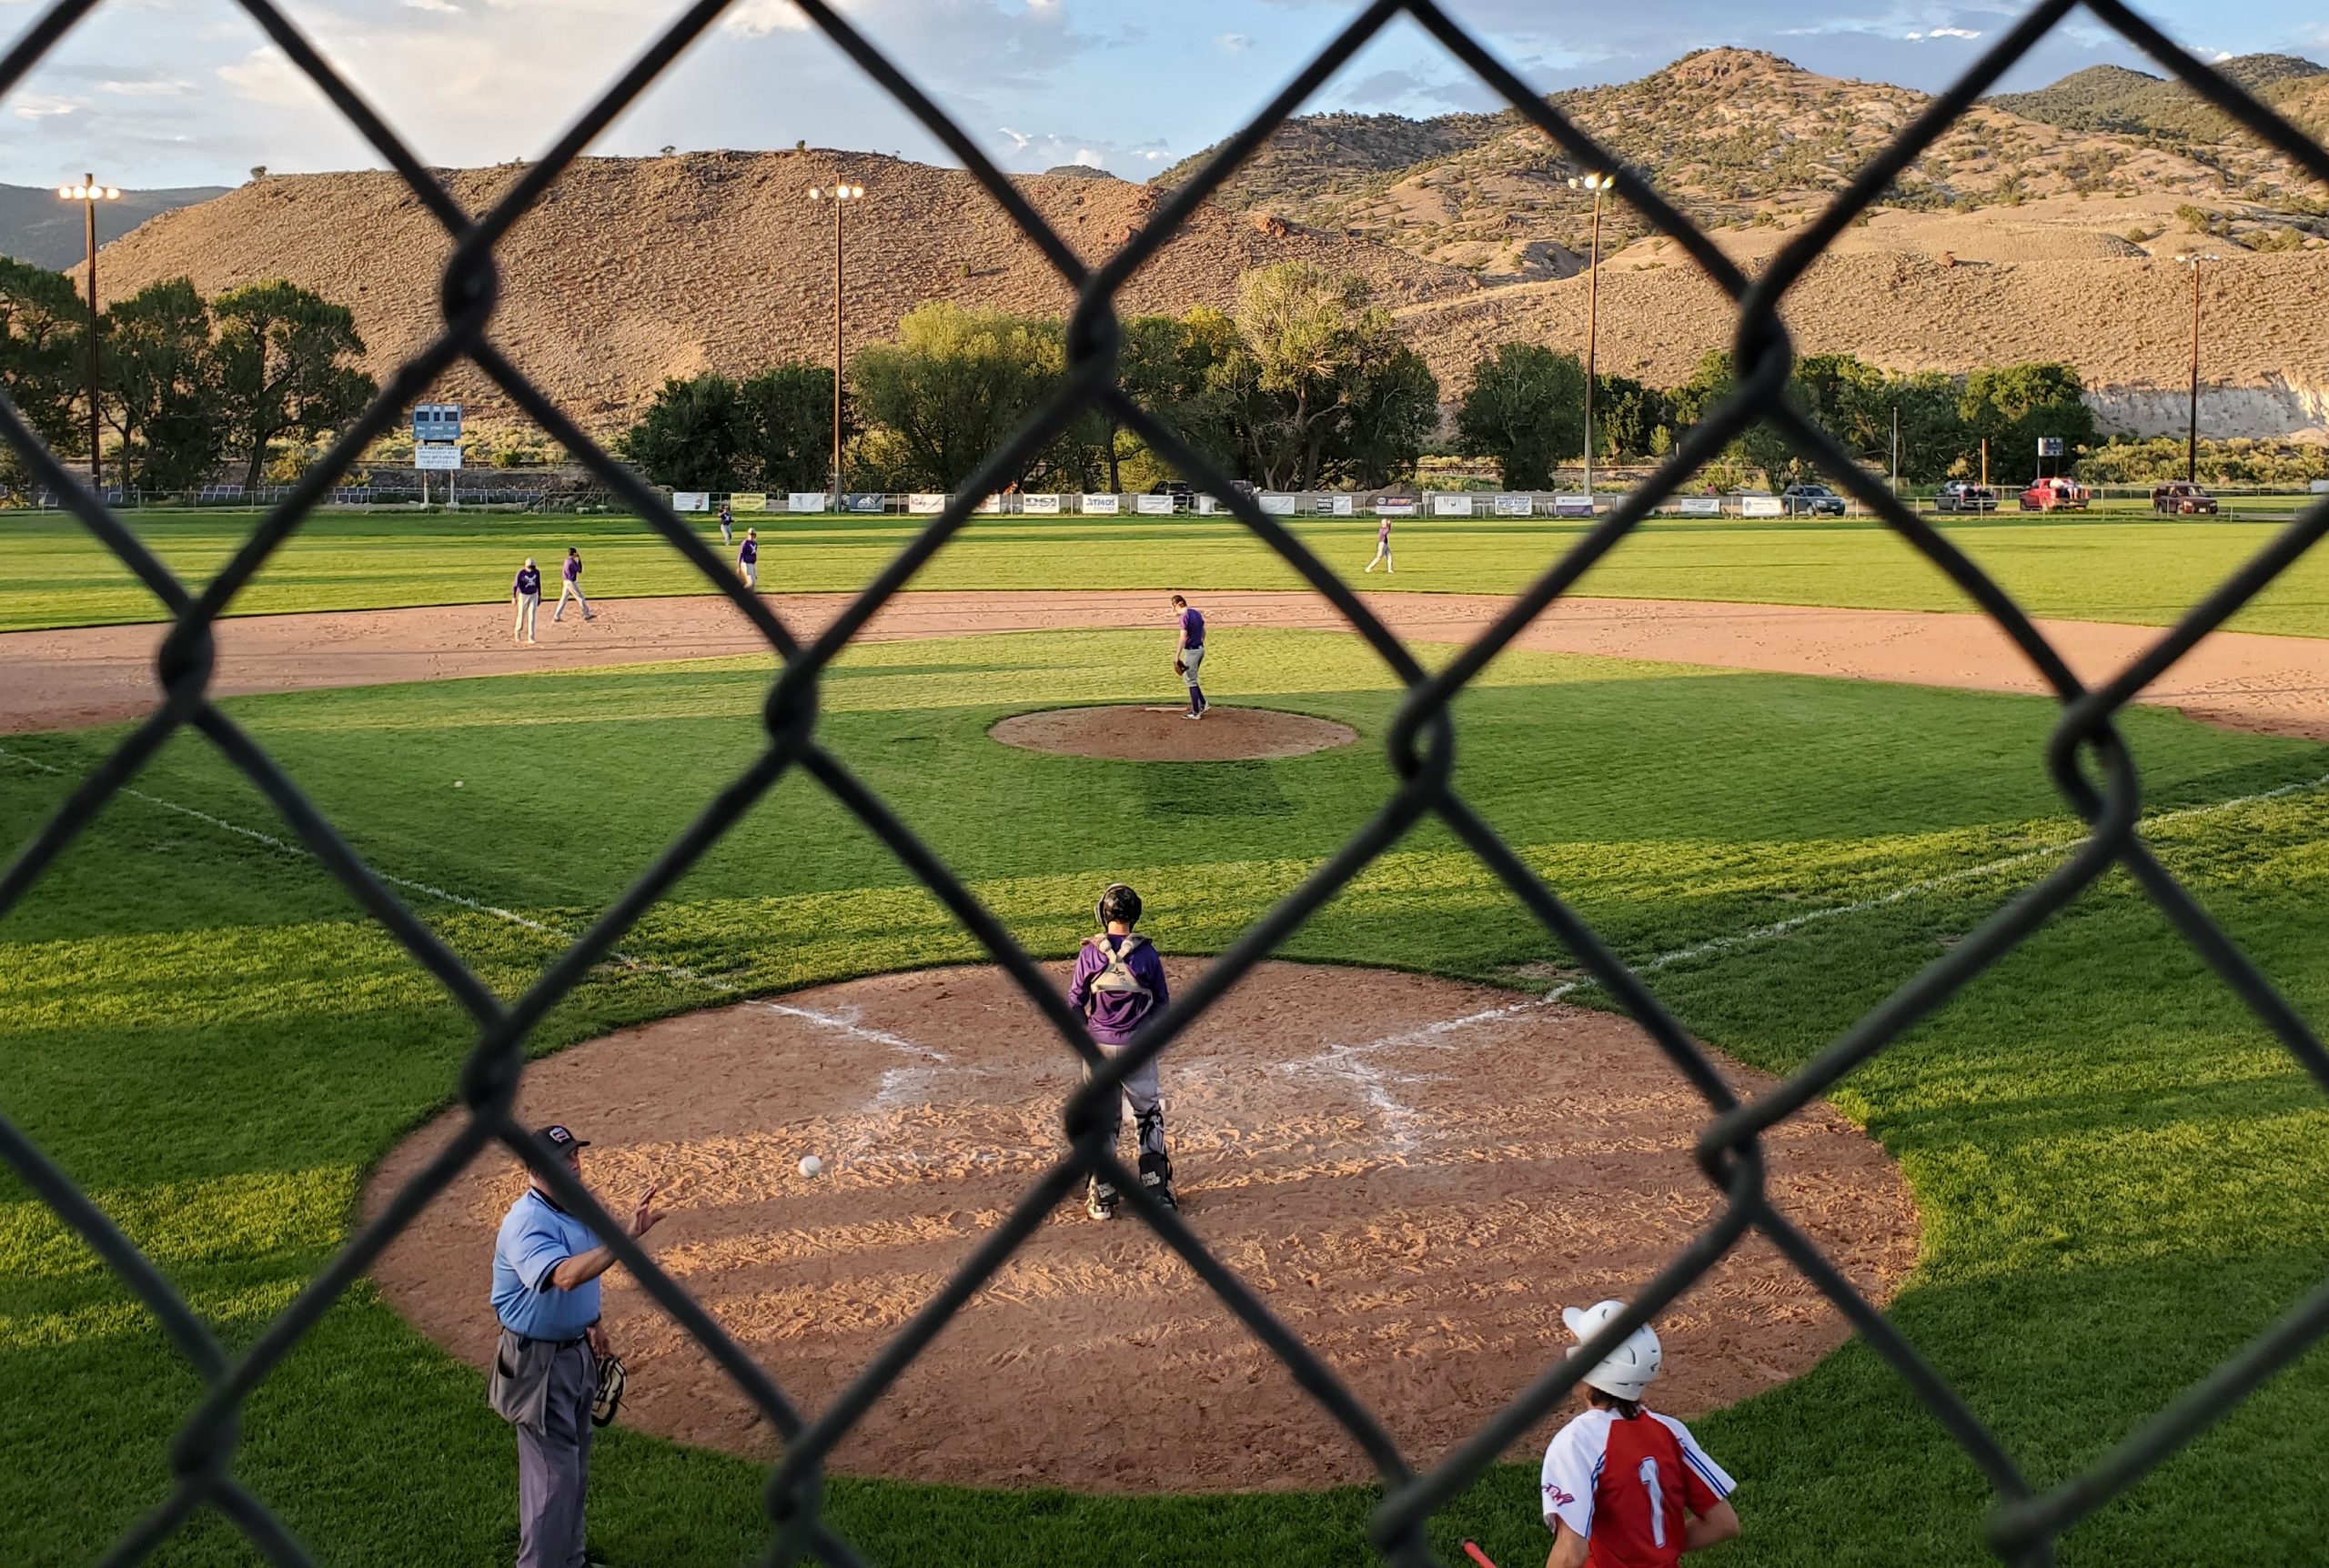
<point>554,1465</point>
<point>1147,1106</point>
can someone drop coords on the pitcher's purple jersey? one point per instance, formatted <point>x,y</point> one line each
<point>1116,1014</point>
<point>1192,628</point>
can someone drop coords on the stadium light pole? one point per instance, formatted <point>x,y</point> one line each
<point>2192,435</point>
<point>89,192</point>
<point>841,196</point>
<point>1598,184</point>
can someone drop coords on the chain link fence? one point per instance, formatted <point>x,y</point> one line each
<point>2089,763</point>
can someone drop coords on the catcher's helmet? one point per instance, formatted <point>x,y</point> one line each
<point>1118,903</point>
<point>1632,1367</point>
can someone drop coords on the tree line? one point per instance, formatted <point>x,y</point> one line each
<point>1304,383</point>
<point>184,384</point>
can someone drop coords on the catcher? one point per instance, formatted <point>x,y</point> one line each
<point>1623,1486</point>
<point>1119,983</point>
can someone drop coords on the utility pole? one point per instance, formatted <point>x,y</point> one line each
<point>2192,435</point>
<point>1895,449</point>
<point>89,192</point>
<point>1598,185</point>
<point>840,195</point>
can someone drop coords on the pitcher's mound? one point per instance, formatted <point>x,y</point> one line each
<point>1414,1176</point>
<point>1166,735</point>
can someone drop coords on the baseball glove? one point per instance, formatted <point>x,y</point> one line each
<point>1180,668</point>
<point>609,1399</point>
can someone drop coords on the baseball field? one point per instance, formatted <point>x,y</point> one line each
<point>2077,1188</point>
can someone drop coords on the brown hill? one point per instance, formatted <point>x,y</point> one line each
<point>632,270</point>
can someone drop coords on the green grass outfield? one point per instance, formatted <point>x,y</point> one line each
<point>2121,1176</point>
<point>52,573</point>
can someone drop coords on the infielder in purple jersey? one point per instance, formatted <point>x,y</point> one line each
<point>748,559</point>
<point>526,593</point>
<point>1190,654</point>
<point>1119,983</point>
<point>573,587</point>
<point>1382,548</point>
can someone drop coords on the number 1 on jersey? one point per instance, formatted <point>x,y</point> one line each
<point>1649,1480</point>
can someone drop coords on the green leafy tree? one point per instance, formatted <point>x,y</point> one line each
<point>1625,413</point>
<point>161,383</point>
<point>955,384</point>
<point>2011,405</point>
<point>1394,404</point>
<point>1526,410</point>
<point>788,427</point>
<point>693,435</point>
<point>43,328</point>
<point>282,357</point>
<point>1312,345</point>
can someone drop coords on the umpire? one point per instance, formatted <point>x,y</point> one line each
<point>546,1269</point>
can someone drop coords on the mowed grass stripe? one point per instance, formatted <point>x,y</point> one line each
<point>2133,570</point>
<point>2095,1132</point>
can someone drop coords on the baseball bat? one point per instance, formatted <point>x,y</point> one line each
<point>1472,1550</point>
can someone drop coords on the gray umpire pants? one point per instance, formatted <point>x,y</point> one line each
<point>1147,1106</point>
<point>554,1465</point>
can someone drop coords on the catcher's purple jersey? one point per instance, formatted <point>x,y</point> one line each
<point>1115,1014</point>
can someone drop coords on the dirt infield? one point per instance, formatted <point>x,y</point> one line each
<point>1169,735</point>
<point>100,675</point>
<point>1414,1174</point>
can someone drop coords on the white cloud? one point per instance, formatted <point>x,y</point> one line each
<point>1952,33</point>
<point>40,106</point>
<point>443,6</point>
<point>1233,42</point>
<point>153,87</point>
<point>1019,140</point>
<point>1086,158</point>
<point>268,77</point>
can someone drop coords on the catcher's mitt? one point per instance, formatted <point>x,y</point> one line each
<point>609,1399</point>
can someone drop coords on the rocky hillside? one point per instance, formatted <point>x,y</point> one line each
<point>1736,138</point>
<point>2112,98</point>
<point>633,270</point>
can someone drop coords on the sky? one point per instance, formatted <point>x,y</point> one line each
<point>155,93</point>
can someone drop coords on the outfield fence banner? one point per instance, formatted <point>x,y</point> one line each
<point>747,501</point>
<point>1103,506</point>
<point>1445,505</point>
<point>989,505</point>
<point>806,500</point>
<point>1572,505</point>
<point>1339,505</point>
<point>1761,507</point>
<point>1043,505</point>
<point>1209,505</point>
<point>1153,505</point>
<point>1388,506</point>
<point>1699,506</point>
<point>212,1470</point>
<point>868,501</point>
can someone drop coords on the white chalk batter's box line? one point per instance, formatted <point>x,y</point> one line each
<point>1349,1063</point>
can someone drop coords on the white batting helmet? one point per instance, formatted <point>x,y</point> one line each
<point>1632,1367</point>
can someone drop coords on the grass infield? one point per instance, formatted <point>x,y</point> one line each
<point>2133,570</point>
<point>2121,1176</point>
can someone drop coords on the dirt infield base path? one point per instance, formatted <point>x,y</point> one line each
<point>1415,1175</point>
<point>102,675</point>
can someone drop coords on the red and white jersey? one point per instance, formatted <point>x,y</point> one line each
<point>1623,1484</point>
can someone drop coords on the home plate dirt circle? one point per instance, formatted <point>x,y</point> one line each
<point>1162,734</point>
<point>1414,1174</point>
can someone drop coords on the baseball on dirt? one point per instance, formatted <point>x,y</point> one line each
<point>811,1166</point>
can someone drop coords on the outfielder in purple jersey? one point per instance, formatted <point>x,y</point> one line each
<point>1119,984</point>
<point>1382,548</point>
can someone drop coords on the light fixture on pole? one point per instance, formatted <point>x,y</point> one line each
<point>841,196</point>
<point>89,192</point>
<point>2192,437</point>
<point>1598,184</point>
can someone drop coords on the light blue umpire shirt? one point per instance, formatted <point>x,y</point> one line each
<point>536,1235</point>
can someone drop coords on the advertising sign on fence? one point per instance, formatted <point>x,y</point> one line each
<point>1572,505</point>
<point>1336,505</point>
<point>924,506</point>
<point>748,501</point>
<point>1207,505</point>
<point>1516,506</point>
<point>991,505</point>
<point>1101,506</point>
<point>1761,507</point>
<point>1153,505</point>
<point>1041,505</point>
<point>1394,507</point>
<point>435,459</point>
<point>868,501</point>
<point>1277,505</point>
<point>1446,505</point>
<point>690,500</point>
<point>804,501</point>
<point>1700,505</point>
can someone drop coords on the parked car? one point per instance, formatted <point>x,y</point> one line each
<point>1957,496</point>
<point>2055,495</point>
<point>1183,496</point>
<point>1812,501</point>
<point>2183,497</point>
